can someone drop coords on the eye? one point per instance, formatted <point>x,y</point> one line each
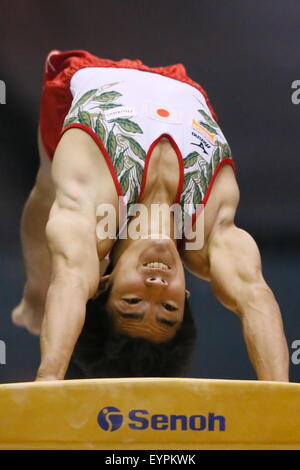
<point>132,301</point>
<point>169,307</point>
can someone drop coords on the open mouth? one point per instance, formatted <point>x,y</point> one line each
<point>157,265</point>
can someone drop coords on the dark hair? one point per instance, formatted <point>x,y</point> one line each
<point>102,352</point>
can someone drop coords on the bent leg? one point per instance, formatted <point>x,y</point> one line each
<point>29,312</point>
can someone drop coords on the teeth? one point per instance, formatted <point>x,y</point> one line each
<point>156,264</point>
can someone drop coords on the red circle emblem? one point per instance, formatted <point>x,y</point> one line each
<point>163,112</point>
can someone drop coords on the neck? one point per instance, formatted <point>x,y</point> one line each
<point>155,220</point>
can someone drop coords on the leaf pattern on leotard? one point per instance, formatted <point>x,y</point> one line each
<point>85,97</point>
<point>200,171</point>
<point>197,197</point>
<point>124,181</point>
<point>210,120</point>
<point>107,106</point>
<point>70,121</point>
<point>100,130</point>
<point>136,147</point>
<point>84,118</point>
<point>216,157</point>
<point>112,144</point>
<point>210,129</point>
<point>116,134</point>
<point>107,96</point>
<point>191,159</point>
<point>128,125</point>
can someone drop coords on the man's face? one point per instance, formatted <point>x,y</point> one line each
<point>148,290</point>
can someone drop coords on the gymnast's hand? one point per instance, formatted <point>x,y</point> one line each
<point>70,233</point>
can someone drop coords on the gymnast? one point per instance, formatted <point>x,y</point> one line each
<point>117,133</point>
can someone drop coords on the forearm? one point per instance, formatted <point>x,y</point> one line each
<point>238,282</point>
<point>264,335</point>
<point>63,321</point>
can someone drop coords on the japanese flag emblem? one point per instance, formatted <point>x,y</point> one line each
<point>164,113</point>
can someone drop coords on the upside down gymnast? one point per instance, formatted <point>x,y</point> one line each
<point>112,131</point>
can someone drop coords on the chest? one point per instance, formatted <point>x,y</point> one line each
<point>162,170</point>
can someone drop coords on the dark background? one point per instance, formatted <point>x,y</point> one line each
<point>245,54</point>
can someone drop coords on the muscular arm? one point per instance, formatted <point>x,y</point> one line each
<point>238,283</point>
<point>75,270</point>
<point>70,233</point>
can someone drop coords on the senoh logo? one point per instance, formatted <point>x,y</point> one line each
<point>111,418</point>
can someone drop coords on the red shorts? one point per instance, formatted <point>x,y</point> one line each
<point>56,96</point>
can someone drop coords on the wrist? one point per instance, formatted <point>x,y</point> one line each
<point>48,372</point>
<point>46,378</point>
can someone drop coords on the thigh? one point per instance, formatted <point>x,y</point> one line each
<point>44,183</point>
<point>45,162</point>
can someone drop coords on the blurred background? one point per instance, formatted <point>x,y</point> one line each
<point>245,54</point>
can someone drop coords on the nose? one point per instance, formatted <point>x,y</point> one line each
<point>156,281</point>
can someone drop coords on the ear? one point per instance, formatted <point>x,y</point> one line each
<point>187,293</point>
<point>104,282</point>
<point>103,285</point>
